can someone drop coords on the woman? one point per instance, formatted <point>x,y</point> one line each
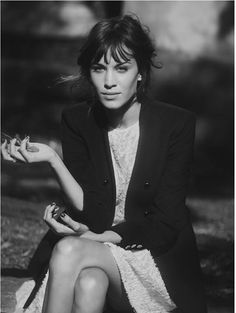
<point>126,159</point>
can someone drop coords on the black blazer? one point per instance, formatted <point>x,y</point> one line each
<point>155,212</point>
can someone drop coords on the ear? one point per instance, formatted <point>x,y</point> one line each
<point>139,77</point>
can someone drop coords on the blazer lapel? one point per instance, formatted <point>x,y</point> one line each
<point>148,151</point>
<point>100,150</point>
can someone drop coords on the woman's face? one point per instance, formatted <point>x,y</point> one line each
<point>114,82</point>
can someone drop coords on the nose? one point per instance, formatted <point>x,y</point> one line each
<point>109,80</point>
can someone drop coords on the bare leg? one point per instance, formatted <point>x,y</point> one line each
<point>90,291</point>
<point>70,256</point>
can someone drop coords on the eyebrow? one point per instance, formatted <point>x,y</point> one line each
<point>117,64</point>
<point>122,63</point>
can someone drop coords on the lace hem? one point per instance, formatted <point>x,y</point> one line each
<point>142,280</point>
<point>23,293</point>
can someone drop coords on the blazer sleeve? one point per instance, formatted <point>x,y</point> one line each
<point>77,160</point>
<point>74,150</point>
<point>162,221</point>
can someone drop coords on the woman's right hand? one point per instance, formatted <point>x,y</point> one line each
<point>40,153</point>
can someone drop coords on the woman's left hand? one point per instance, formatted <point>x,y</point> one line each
<point>71,227</point>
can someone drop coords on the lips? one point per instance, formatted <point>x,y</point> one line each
<point>110,93</point>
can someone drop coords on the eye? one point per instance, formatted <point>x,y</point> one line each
<point>97,68</point>
<point>122,69</point>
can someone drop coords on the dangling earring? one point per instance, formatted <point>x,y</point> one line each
<point>139,77</point>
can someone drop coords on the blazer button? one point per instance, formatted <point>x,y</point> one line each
<point>146,184</point>
<point>146,212</point>
<point>139,246</point>
<point>105,182</point>
<point>133,246</point>
<point>127,247</point>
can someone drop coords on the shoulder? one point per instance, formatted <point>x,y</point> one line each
<point>169,113</point>
<point>171,119</point>
<point>76,115</point>
<point>77,110</point>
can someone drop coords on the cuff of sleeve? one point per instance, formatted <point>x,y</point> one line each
<point>130,232</point>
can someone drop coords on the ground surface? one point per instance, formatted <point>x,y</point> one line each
<point>23,202</point>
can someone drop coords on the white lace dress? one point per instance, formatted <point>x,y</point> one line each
<point>142,280</point>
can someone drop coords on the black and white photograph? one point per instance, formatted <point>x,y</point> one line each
<point>117,156</point>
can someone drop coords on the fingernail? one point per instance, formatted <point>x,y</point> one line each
<point>62,215</point>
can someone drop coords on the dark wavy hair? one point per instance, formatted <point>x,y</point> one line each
<point>125,38</point>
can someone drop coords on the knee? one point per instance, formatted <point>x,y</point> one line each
<point>90,281</point>
<point>65,252</point>
<point>66,246</point>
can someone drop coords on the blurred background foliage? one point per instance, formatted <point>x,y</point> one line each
<point>195,44</point>
<point>41,41</point>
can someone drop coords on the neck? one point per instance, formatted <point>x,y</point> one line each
<point>125,116</point>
